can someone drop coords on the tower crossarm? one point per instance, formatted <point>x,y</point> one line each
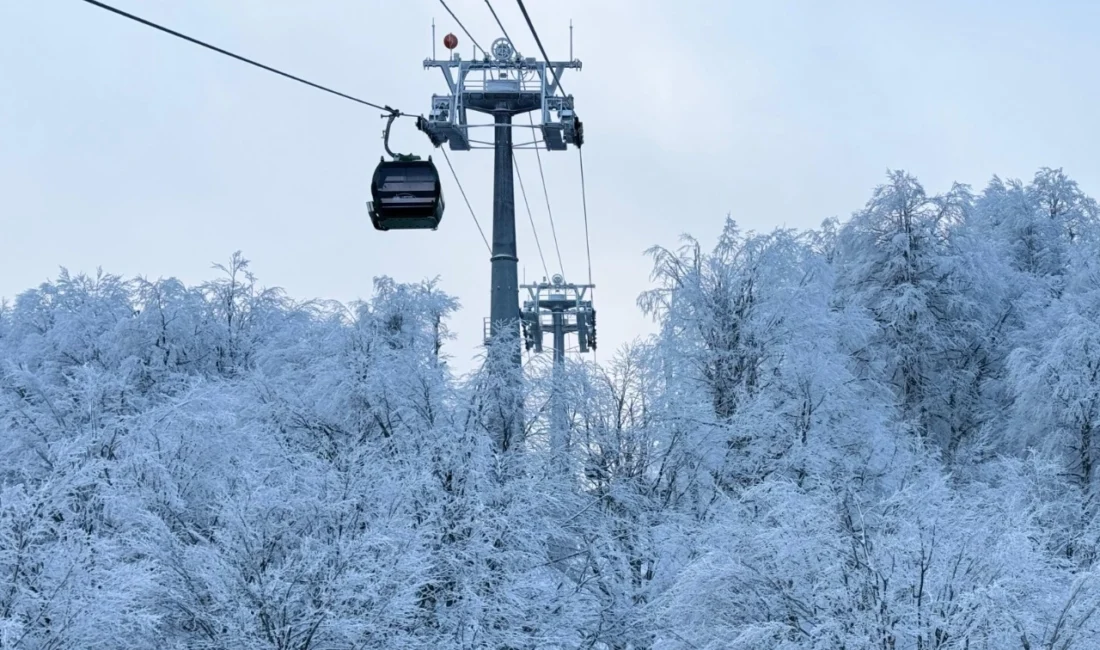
<point>503,82</point>
<point>561,308</point>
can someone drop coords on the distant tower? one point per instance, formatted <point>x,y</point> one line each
<point>502,84</point>
<point>562,308</point>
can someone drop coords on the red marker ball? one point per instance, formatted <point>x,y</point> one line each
<point>450,41</point>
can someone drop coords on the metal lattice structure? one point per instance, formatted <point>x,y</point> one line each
<point>560,308</point>
<point>522,84</point>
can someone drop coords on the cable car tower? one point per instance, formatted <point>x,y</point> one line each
<point>561,308</point>
<point>502,84</point>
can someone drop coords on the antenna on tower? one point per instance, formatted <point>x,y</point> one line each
<point>433,38</point>
<point>570,39</point>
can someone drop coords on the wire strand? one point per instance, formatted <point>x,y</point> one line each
<point>239,57</point>
<point>468,206</point>
<point>463,27</point>
<point>530,217</point>
<point>584,203</point>
<point>501,25</point>
<point>538,41</point>
<point>549,212</point>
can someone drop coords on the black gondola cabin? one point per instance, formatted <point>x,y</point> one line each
<point>407,195</point>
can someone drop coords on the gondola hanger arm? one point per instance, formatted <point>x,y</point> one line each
<point>401,157</point>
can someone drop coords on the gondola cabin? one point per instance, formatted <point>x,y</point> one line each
<point>407,195</point>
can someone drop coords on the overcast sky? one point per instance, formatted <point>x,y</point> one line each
<point>125,148</point>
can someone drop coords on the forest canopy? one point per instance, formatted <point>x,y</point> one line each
<point>882,433</point>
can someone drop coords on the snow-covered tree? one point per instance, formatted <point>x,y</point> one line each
<point>220,466</point>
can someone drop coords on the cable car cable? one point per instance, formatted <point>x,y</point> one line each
<point>501,25</point>
<point>530,216</point>
<point>468,206</point>
<point>241,58</point>
<point>467,32</point>
<point>584,203</point>
<point>546,193</point>
<point>584,197</point>
<point>538,41</point>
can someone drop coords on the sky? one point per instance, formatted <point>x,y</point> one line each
<point>125,149</point>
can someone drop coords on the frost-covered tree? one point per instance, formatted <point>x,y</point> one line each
<point>751,326</point>
<point>905,260</point>
<point>928,566</point>
<point>220,466</point>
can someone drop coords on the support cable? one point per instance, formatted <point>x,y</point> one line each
<point>501,25</point>
<point>463,27</point>
<point>531,217</point>
<point>241,58</point>
<point>538,41</point>
<point>550,213</point>
<point>584,203</point>
<point>468,206</point>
